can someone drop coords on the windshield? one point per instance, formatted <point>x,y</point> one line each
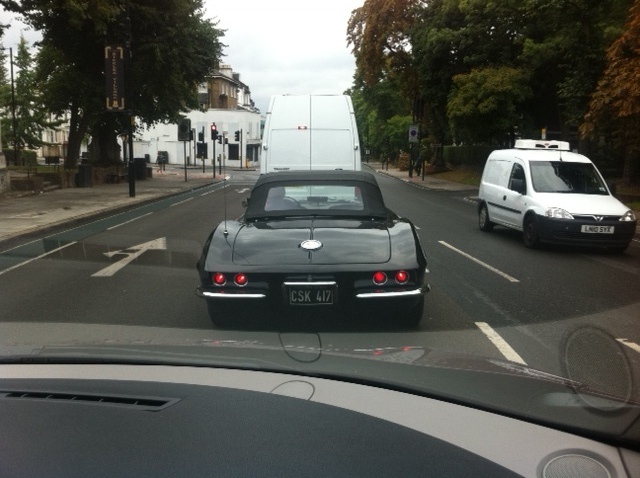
<point>566,177</point>
<point>141,224</point>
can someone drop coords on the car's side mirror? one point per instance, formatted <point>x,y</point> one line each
<point>245,202</point>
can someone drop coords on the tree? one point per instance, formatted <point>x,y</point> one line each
<point>614,109</point>
<point>173,48</point>
<point>485,104</point>
<point>32,118</point>
<point>564,47</point>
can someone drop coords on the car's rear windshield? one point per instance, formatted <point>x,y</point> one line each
<point>566,177</point>
<point>315,198</point>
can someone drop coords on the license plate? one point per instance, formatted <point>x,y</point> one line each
<point>598,229</point>
<point>310,294</point>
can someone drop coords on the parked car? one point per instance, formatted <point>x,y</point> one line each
<point>315,239</point>
<point>552,195</point>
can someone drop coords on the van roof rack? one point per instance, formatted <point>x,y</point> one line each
<point>542,144</point>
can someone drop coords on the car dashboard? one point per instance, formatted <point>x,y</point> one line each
<point>156,420</point>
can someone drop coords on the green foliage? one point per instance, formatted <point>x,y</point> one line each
<point>472,155</point>
<point>483,71</point>
<point>484,104</point>
<point>173,48</point>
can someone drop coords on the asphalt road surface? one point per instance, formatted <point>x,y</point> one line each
<point>491,296</point>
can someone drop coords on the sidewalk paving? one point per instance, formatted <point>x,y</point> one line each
<point>24,215</point>
<point>429,182</point>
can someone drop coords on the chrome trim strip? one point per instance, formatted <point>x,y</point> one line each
<point>382,295</point>
<point>322,283</point>
<point>228,295</point>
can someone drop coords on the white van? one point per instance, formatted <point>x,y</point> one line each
<point>552,195</point>
<point>310,132</point>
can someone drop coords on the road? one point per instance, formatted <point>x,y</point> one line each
<point>549,308</point>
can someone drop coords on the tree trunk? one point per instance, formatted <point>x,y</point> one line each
<point>77,131</point>
<point>104,148</point>
<point>631,169</point>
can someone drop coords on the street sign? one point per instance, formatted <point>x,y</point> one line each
<point>114,77</point>
<point>413,133</point>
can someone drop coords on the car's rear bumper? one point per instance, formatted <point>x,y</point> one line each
<point>365,296</point>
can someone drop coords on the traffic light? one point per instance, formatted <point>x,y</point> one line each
<point>184,129</point>
<point>236,135</point>
<point>201,136</point>
<point>220,139</point>
<point>214,132</point>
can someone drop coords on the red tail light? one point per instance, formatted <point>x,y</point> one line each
<point>240,279</point>
<point>379,278</point>
<point>402,277</point>
<point>219,278</point>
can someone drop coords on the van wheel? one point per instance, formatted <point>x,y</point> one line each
<point>530,231</point>
<point>483,219</point>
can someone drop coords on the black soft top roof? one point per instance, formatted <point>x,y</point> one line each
<point>373,203</point>
<point>317,175</point>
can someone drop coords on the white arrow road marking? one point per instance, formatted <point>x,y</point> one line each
<point>242,191</point>
<point>136,251</point>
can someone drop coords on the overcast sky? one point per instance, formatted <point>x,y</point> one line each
<point>277,46</point>
<point>287,46</point>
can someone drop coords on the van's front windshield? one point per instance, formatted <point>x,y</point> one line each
<point>566,177</point>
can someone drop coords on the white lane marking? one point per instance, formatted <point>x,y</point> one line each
<point>130,220</point>
<point>208,192</point>
<point>36,258</point>
<point>156,244</point>
<point>505,349</point>
<point>181,202</point>
<point>631,345</point>
<point>478,261</point>
<point>243,190</point>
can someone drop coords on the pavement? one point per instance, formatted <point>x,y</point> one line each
<point>32,214</point>
<point>29,214</point>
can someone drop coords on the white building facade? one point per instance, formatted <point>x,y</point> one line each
<point>224,101</point>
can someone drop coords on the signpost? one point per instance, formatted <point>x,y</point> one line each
<point>115,64</point>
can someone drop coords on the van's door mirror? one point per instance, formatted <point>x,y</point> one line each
<point>518,185</point>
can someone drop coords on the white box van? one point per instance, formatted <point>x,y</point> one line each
<point>310,132</point>
<point>552,195</point>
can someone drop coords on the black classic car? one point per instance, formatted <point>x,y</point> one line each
<point>315,240</point>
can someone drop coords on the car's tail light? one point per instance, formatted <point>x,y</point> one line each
<point>219,278</point>
<point>240,279</point>
<point>402,277</point>
<point>379,278</point>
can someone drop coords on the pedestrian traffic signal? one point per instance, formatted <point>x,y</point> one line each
<point>237,135</point>
<point>214,132</point>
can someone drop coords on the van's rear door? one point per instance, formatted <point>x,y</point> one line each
<point>290,133</point>
<point>333,133</point>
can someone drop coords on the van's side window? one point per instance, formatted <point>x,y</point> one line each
<point>517,181</point>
